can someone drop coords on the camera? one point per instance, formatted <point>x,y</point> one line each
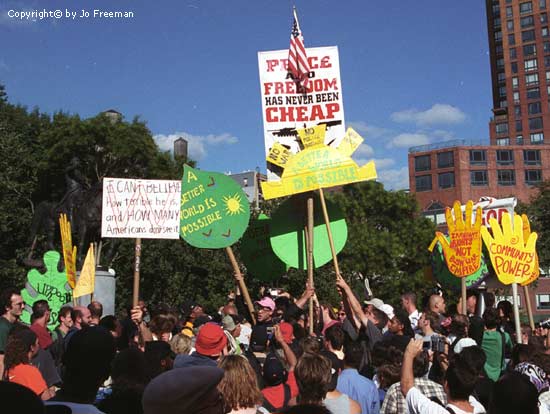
<point>545,324</point>
<point>438,344</point>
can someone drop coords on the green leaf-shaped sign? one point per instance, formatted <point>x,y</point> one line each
<point>52,286</point>
<point>214,209</point>
<point>256,253</point>
<point>288,232</point>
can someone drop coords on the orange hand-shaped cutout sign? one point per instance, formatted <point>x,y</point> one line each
<point>463,252</point>
<point>514,259</point>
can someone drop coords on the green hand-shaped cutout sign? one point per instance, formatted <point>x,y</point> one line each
<point>214,209</point>
<point>256,253</point>
<point>51,286</point>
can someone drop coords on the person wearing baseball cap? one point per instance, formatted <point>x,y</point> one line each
<point>210,345</point>
<point>262,331</point>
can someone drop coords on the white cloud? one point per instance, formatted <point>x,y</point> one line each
<point>197,144</point>
<point>396,179</point>
<point>437,114</point>
<point>370,131</point>
<point>364,150</point>
<point>408,140</point>
<point>441,134</point>
<point>381,163</point>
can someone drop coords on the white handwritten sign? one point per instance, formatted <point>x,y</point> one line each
<point>148,209</point>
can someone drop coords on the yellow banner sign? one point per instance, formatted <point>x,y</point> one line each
<point>86,280</point>
<point>312,137</point>
<point>314,168</point>
<point>514,259</point>
<point>278,155</point>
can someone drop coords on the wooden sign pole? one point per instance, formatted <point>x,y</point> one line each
<point>329,232</point>
<point>137,263</point>
<point>309,245</point>
<point>240,280</point>
<point>516,312</point>
<point>529,308</point>
<point>464,299</point>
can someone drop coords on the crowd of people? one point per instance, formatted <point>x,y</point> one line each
<point>363,356</point>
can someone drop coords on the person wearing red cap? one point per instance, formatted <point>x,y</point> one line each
<point>210,345</point>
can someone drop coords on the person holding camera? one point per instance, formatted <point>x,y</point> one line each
<point>459,383</point>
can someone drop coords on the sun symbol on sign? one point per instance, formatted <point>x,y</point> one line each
<point>233,205</point>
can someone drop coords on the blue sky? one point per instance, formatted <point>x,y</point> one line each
<point>412,72</point>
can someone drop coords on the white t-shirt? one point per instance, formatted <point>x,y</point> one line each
<point>418,403</point>
<point>461,344</point>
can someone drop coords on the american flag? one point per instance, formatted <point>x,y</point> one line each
<point>297,57</point>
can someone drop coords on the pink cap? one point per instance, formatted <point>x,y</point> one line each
<point>266,303</point>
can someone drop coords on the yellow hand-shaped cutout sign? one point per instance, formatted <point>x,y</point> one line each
<point>514,259</point>
<point>69,252</point>
<point>526,234</point>
<point>463,253</point>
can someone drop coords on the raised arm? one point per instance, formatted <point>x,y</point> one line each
<point>289,355</point>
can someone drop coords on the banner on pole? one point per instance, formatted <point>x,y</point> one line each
<point>287,106</point>
<point>149,209</point>
<point>86,280</point>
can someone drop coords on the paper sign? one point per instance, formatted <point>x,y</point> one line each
<point>287,107</point>
<point>278,155</point>
<point>313,136</point>
<point>350,143</point>
<point>214,209</point>
<point>51,286</point>
<point>463,253</point>
<point>514,259</point>
<point>315,168</point>
<point>86,280</point>
<point>148,209</point>
<point>69,251</point>
<point>288,238</point>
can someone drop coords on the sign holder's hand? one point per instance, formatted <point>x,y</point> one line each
<point>513,258</point>
<point>463,253</point>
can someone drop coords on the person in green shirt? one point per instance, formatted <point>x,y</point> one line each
<point>492,344</point>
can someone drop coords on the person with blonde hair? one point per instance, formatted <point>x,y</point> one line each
<point>238,386</point>
<point>181,344</point>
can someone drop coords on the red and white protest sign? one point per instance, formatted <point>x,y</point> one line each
<point>287,106</point>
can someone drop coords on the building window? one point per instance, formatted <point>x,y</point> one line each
<point>499,49</point>
<point>533,108</point>
<point>547,61</point>
<point>502,91</point>
<point>533,93</point>
<point>526,36</point>
<point>497,22</point>
<point>446,180</point>
<point>510,25</point>
<point>526,7</point>
<point>445,159</point>
<point>543,301</point>
<point>532,79</point>
<point>478,177</point>
<point>527,21</point>
<point>519,126</point>
<point>500,63</point>
<point>498,35</point>
<point>423,183</point>
<point>513,54</point>
<point>509,11</point>
<point>546,47</point>
<point>544,31</point>
<point>503,141</point>
<point>542,4</point>
<point>531,157</point>
<point>544,18</point>
<point>515,82</point>
<point>504,103</point>
<point>516,97</point>
<point>533,177</point>
<point>496,10</point>
<point>530,64</point>
<point>505,157</point>
<point>501,128</point>
<point>537,138</point>
<point>519,140</point>
<point>506,177</point>
<point>422,163</point>
<point>514,67</point>
<point>517,111</point>
<point>530,50</point>
<point>535,123</point>
<point>478,157</point>
<point>501,77</point>
<point>547,76</point>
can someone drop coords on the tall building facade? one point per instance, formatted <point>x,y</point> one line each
<point>519,45</point>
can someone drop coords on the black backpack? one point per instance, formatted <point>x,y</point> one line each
<point>269,407</point>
